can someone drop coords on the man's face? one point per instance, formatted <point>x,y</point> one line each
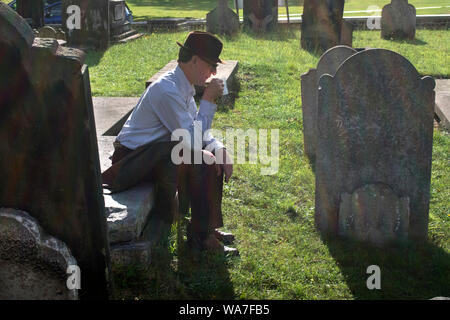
<point>204,71</point>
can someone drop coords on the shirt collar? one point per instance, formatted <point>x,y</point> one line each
<point>186,88</point>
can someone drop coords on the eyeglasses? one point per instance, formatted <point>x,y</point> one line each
<point>213,67</point>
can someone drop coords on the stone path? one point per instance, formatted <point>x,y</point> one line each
<point>442,107</point>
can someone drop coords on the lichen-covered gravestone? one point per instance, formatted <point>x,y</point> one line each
<point>49,162</point>
<point>222,20</point>
<point>375,127</point>
<point>323,26</point>
<point>328,63</point>
<point>33,265</point>
<point>398,20</point>
<point>260,15</point>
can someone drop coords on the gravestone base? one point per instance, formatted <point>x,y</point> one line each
<point>374,213</point>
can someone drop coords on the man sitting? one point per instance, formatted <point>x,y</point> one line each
<point>144,149</point>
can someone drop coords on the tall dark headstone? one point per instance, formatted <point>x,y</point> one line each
<point>398,20</point>
<point>33,10</point>
<point>260,15</point>
<point>49,164</point>
<point>94,31</point>
<point>322,25</point>
<point>328,63</point>
<point>375,138</point>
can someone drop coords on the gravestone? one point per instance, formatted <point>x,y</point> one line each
<point>222,20</point>
<point>50,164</point>
<point>33,265</point>
<point>328,63</point>
<point>260,15</point>
<point>398,20</point>
<point>32,10</point>
<point>94,31</point>
<point>375,126</point>
<point>323,26</point>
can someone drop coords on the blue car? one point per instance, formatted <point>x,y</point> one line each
<point>53,11</point>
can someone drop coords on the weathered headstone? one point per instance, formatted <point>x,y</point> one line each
<point>222,20</point>
<point>33,265</point>
<point>94,28</point>
<point>33,10</point>
<point>50,164</point>
<point>322,25</point>
<point>260,15</point>
<point>398,20</point>
<point>328,63</point>
<point>375,126</point>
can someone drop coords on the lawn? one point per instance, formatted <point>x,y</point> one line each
<point>147,9</point>
<point>281,254</point>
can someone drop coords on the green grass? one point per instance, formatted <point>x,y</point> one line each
<point>282,255</point>
<point>148,9</point>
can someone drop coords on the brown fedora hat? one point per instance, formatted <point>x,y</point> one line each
<point>205,45</point>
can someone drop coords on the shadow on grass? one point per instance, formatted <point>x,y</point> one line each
<point>416,42</point>
<point>279,34</point>
<point>177,272</point>
<point>204,275</point>
<point>408,270</point>
<point>93,58</point>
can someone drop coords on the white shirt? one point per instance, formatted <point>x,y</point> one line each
<point>166,105</point>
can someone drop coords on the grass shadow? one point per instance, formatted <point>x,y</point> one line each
<point>279,34</point>
<point>204,275</point>
<point>93,58</point>
<point>415,42</point>
<point>408,271</point>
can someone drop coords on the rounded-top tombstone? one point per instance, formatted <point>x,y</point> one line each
<point>375,125</point>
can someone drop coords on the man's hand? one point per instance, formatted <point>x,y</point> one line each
<point>225,164</point>
<point>213,90</point>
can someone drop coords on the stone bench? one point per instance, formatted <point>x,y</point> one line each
<point>442,103</point>
<point>127,213</point>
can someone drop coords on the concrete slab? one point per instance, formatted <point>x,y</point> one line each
<point>442,102</point>
<point>126,212</point>
<point>224,71</point>
<point>111,113</point>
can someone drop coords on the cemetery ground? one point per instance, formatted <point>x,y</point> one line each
<point>282,256</point>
